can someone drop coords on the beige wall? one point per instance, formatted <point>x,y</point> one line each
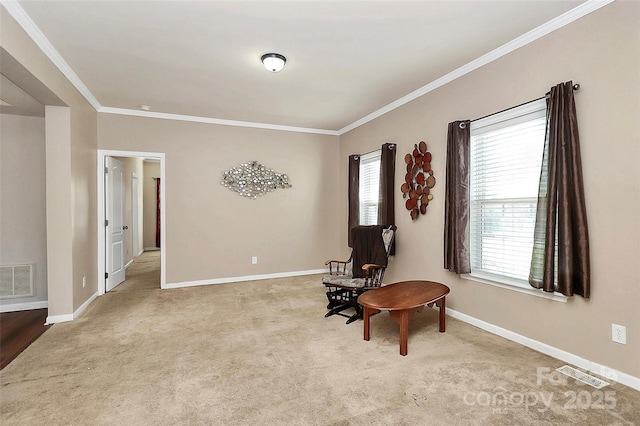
<point>85,204</point>
<point>59,210</point>
<point>23,231</point>
<point>212,233</point>
<point>71,178</point>
<point>601,52</point>
<point>151,170</point>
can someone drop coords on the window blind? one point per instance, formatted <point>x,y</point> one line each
<point>506,156</point>
<point>369,188</point>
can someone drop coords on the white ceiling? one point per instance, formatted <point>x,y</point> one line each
<point>345,59</point>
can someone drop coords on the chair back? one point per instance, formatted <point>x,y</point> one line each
<point>374,274</point>
<point>369,250</point>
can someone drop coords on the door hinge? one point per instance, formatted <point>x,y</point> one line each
<point>106,170</point>
<point>106,275</point>
<point>106,222</point>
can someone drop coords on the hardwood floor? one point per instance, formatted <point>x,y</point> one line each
<point>18,330</point>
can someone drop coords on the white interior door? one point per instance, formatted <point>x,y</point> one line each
<point>114,212</point>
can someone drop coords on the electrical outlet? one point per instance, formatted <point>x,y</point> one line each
<point>84,282</point>
<point>254,260</point>
<point>619,333</point>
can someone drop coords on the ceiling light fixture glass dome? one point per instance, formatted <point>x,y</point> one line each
<point>274,62</point>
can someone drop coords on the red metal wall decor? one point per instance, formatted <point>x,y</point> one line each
<point>418,181</point>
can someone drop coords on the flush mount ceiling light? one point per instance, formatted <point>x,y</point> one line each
<point>274,62</point>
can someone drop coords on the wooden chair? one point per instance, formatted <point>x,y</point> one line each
<point>370,244</point>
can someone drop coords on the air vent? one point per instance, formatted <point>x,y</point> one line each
<point>583,377</point>
<point>16,281</point>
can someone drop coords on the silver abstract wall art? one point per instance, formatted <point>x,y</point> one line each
<point>253,180</point>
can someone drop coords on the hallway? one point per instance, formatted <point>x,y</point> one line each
<point>143,274</point>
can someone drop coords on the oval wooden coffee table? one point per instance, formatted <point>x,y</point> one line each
<point>403,300</point>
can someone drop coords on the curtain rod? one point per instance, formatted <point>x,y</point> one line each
<point>462,125</point>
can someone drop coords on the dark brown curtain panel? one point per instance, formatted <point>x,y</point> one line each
<point>456,205</point>
<point>561,216</point>
<point>386,213</point>
<point>158,212</point>
<point>354,195</point>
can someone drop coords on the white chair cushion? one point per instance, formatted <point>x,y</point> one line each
<point>343,281</point>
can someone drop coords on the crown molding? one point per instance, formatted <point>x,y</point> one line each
<point>544,29</point>
<point>19,14</point>
<point>27,24</point>
<point>208,120</point>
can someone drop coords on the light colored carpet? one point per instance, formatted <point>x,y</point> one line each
<point>261,352</point>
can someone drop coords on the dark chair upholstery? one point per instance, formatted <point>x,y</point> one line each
<point>363,270</point>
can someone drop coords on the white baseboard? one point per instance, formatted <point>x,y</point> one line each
<point>24,306</point>
<point>244,278</point>
<point>151,249</point>
<point>599,369</point>
<point>53,319</point>
<point>129,263</point>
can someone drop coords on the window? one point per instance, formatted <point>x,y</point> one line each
<point>369,188</point>
<point>506,156</point>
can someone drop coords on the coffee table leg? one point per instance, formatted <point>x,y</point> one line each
<point>402,317</point>
<point>441,304</point>
<point>404,332</point>
<point>367,323</point>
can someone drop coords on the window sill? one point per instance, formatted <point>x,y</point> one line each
<point>513,285</point>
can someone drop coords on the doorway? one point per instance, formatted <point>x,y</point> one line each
<point>104,240</point>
